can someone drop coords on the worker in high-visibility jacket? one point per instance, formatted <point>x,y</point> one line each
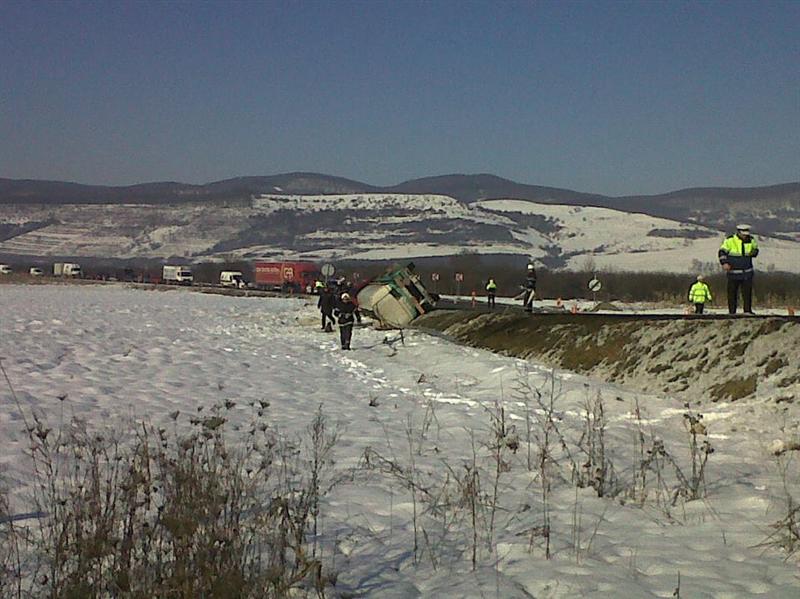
<point>491,293</point>
<point>736,257</point>
<point>699,294</point>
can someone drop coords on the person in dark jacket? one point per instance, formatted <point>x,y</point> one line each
<point>348,288</point>
<point>736,257</point>
<point>325,303</point>
<point>529,288</point>
<point>346,313</point>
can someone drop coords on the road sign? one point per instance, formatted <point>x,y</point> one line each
<point>459,276</point>
<point>328,269</point>
<point>434,276</point>
<point>595,285</point>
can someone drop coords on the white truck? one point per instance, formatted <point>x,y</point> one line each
<point>232,278</point>
<point>177,275</point>
<point>66,269</point>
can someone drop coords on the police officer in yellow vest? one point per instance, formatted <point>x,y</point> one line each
<point>736,256</point>
<point>491,292</point>
<point>699,294</point>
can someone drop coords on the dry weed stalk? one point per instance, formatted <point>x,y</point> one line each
<point>157,513</point>
<point>785,535</point>
<point>597,471</point>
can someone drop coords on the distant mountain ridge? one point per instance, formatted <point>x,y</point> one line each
<point>774,209</point>
<point>359,225</point>
<point>471,188</point>
<point>31,191</point>
<point>465,188</point>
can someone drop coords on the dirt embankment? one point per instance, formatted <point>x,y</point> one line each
<point>699,360</point>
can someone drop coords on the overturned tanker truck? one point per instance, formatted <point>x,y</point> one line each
<point>396,297</point>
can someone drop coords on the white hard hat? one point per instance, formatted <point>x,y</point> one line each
<point>700,277</point>
<point>345,297</point>
<point>530,266</point>
<point>743,227</point>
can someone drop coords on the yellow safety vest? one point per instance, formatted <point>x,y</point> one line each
<point>699,293</point>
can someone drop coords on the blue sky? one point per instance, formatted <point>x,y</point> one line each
<point>606,97</point>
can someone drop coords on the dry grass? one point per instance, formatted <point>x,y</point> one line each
<point>735,388</point>
<point>178,513</point>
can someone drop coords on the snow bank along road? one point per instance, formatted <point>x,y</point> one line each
<point>109,355</point>
<point>715,359</point>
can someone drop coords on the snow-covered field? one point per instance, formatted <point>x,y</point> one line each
<point>108,354</point>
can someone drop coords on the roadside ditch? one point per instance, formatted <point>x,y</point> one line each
<point>695,360</point>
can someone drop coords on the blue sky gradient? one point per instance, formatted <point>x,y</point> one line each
<point>607,97</point>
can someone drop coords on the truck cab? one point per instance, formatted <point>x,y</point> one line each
<point>396,298</point>
<point>175,274</point>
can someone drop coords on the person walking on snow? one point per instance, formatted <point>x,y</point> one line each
<point>736,257</point>
<point>346,313</point>
<point>529,288</point>
<point>491,292</point>
<point>325,304</point>
<point>699,294</point>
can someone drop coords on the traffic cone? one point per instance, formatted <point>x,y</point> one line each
<point>791,311</point>
<point>574,308</point>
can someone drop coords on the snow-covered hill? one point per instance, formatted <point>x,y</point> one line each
<point>371,226</point>
<point>632,241</point>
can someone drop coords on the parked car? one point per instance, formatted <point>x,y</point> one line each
<point>35,271</point>
<point>5,269</point>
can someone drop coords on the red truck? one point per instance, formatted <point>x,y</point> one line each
<point>294,277</point>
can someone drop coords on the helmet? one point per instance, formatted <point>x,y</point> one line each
<point>530,266</point>
<point>345,297</point>
<point>700,277</point>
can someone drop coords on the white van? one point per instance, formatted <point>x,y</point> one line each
<point>35,271</point>
<point>5,269</point>
<point>232,278</point>
<point>66,269</point>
